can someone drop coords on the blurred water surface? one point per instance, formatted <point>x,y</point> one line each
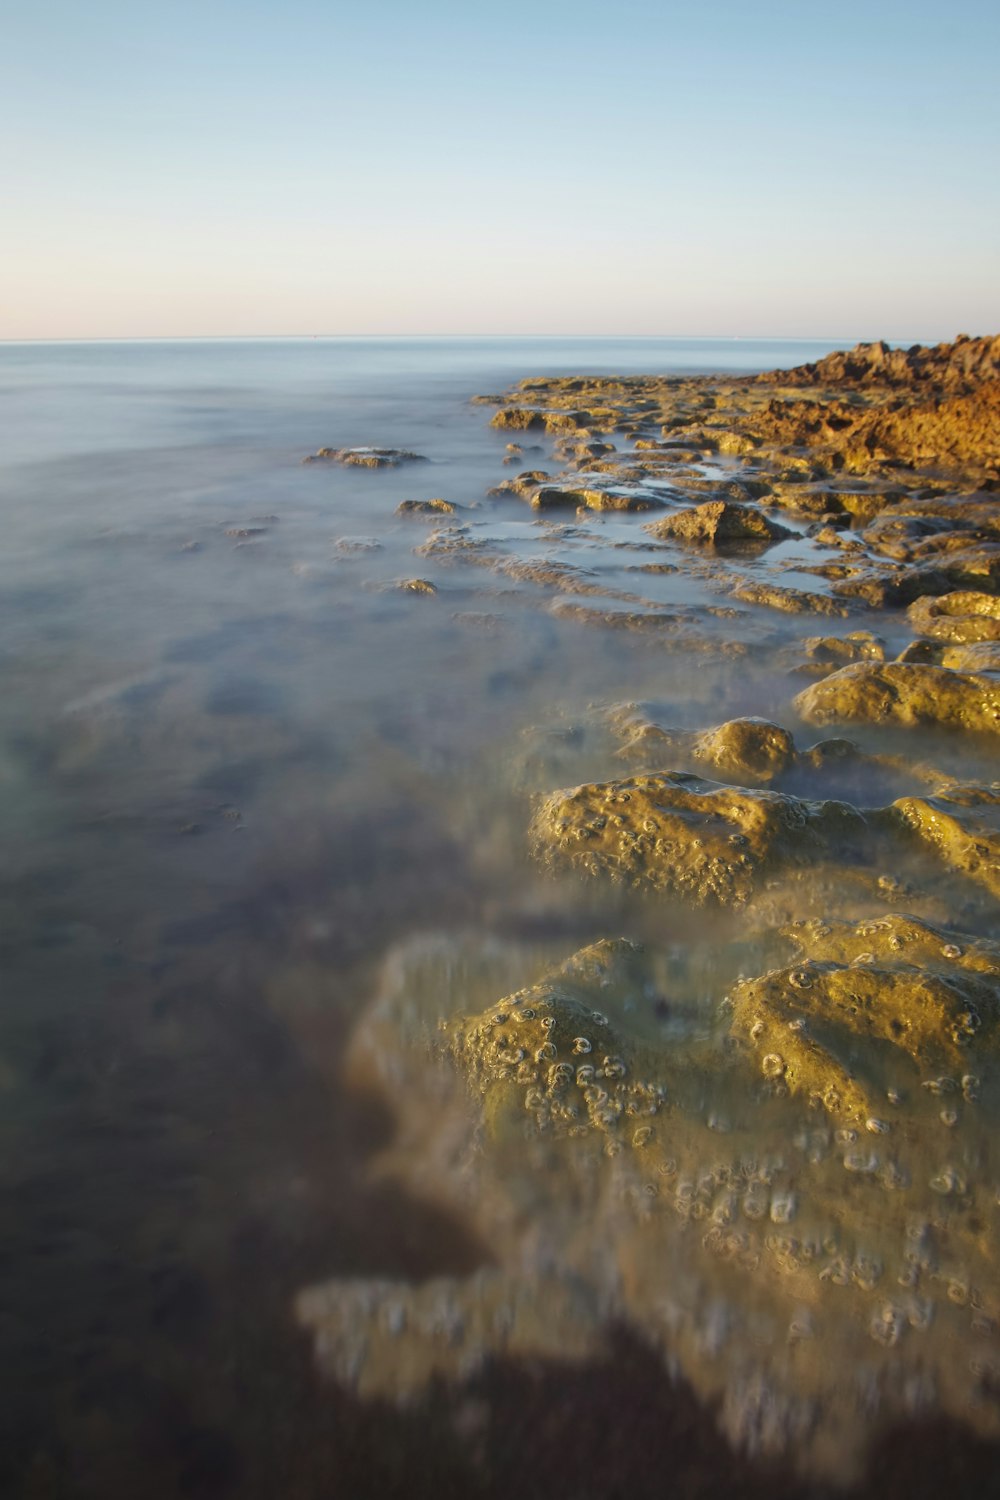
<point>237,769</point>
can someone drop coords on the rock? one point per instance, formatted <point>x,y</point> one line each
<point>354,545</point>
<point>826,652</point>
<point>749,751</point>
<point>718,523</point>
<point>523,485</point>
<point>693,839</point>
<point>417,586</point>
<point>959,366</point>
<point>752,747</point>
<point>893,982</point>
<point>977,656</point>
<point>425,508</point>
<point>965,615</point>
<point>800,1194</point>
<point>455,544</point>
<point>906,538</point>
<point>549,497</point>
<point>904,693</point>
<point>789,601</point>
<point>962,825</point>
<point>517,418</point>
<point>366,458</point>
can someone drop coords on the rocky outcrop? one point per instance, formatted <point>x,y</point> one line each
<point>955,367</point>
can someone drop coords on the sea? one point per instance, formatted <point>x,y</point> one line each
<point>255,749</point>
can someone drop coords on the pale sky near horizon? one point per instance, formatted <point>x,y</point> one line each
<point>557,167</point>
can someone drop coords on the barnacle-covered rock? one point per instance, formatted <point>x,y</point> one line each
<point>839,1025</point>
<point>904,693</point>
<point>961,824</point>
<point>695,839</point>
<point>700,1185</point>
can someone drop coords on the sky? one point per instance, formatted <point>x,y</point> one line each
<point>653,167</point>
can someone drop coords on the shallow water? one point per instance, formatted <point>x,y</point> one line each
<point>241,770</point>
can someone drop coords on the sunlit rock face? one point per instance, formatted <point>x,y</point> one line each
<point>963,616</point>
<point>699,840</point>
<point>904,693</point>
<point>790,1191</point>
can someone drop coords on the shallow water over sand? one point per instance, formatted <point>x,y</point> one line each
<point>247,781</point>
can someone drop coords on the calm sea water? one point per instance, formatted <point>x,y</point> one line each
<point>238,769</point>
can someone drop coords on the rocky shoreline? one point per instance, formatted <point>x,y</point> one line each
<point>789,1189</point>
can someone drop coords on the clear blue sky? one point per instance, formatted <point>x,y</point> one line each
<point>561,166</point>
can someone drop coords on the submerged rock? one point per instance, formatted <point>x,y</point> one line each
<point>904,693</point>
<point>774,1202</point>
<point>366,458</point>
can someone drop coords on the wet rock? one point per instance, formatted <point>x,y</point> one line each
<point>417,586</point>
<point>446,1327</point>
<point>739,492</point>
<point>366,458</point>
<point>800,1196</point>
<point>822,1027</point>
<point>697,840</point>
<point>827,652</point>
<point>353,545</point>
<point>718,523</point>
<point>748,751</point>
<point>961,824</point>
<point>788,600</point>
<point>975,656</point>
<point>904,693</point>
<point>456,544</point>
<point>965,615</point>
<point>425,508</point>
<point>907,538</point>
<point>552,497</point>
<point>517,418</point>
<point>523,485</point>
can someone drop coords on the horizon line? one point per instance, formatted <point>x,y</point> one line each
<point>219,338</point>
